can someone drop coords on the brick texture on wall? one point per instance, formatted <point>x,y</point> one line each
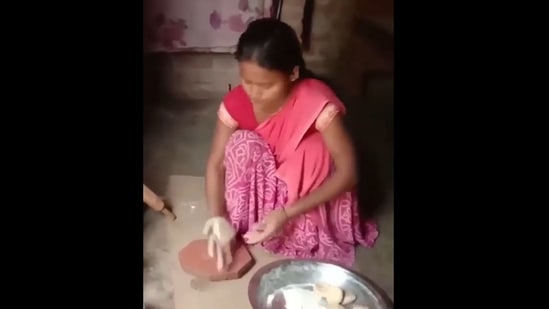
<point>368,51</point>
<point>199,76</point>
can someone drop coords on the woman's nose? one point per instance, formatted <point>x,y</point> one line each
<point>255,93</point>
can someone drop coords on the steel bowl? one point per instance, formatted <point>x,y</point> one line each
<point>268,283</point>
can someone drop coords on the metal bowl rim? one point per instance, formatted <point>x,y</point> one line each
<point>382,297</point>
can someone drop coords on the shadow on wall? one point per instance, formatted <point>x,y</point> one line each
<point>370,123</point>
<point>153,86</point>
<point>153,76</point>
<point>366,88</point>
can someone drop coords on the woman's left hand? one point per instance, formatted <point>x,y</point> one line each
<point>264,230</point>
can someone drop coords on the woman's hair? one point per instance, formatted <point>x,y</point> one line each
<point>274,45</point>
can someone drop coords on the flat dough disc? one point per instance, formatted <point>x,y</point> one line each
<point>332,294</point>
<point>348,298</point>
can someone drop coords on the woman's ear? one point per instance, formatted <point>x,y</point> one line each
<point>295,74</point>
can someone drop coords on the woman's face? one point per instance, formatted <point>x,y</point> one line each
<point>266,88</point>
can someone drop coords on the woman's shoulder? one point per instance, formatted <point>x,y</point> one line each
<point>313,84</point>
<point>314,90</point>
<point>237,94</point>
<point>237,105</point>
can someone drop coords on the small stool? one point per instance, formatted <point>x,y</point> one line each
<point>156,203</point>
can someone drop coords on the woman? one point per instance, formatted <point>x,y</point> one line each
<point>282,166</point>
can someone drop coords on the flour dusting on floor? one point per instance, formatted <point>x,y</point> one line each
<point>157,281</point>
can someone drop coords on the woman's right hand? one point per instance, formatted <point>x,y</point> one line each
<point>218,212</point>
<point>226,237</point>
<point>228,252</point>
<point>215,171</point>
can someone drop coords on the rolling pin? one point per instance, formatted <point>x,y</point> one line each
<point>155,202</point>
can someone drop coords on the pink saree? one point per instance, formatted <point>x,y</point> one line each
<point>274,163</point>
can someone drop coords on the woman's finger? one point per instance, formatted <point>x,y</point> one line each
<point>254,237</point>
<point>258,227</point>
<point>228,251</point>
<point>251,237</point>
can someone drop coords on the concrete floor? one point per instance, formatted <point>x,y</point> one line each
<point>177,136</point>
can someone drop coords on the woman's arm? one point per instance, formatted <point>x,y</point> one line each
<point>215,171</point>
<point>344,177</point>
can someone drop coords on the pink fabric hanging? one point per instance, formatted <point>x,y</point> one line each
<point>177,25</point>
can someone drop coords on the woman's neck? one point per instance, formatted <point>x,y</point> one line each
<point>276,106</point>
<point>272,108</point>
